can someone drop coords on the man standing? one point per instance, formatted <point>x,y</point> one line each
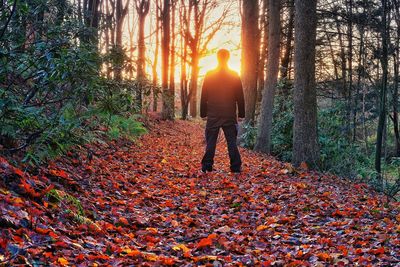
<point>221,97</point>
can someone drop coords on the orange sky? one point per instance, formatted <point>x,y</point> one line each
<point>228,37</point>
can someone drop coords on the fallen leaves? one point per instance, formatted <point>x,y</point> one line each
<point>147,204</point>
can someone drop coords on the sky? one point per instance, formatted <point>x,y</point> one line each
<point>228,37</point>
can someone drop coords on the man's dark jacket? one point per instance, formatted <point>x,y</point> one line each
<point>221,96</point>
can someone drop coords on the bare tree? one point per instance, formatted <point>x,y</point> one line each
<point>120,13</point>
<point>183,79</point>
<point>142,9</point>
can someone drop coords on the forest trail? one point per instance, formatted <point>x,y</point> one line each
<point>147,204</point>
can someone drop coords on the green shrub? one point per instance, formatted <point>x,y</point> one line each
<point>50,85</point>
<point>282,126</point>
<point>248,138</point>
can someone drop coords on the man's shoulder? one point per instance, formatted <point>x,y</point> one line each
<point>217,73</point>
<point>234,73</point>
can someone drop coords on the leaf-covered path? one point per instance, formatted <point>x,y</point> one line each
<point>147,204</point>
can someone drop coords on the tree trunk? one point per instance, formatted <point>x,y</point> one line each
<point>396,62</point>
<point>250,56</point>
<point>350,71</point>
<point>305,144</point>
<point>92,16</point>
<point>142,9</point>
<point>193,84</point>
<point>141,61</point>
<point>264,50</point>
<point>168,104</point>
<point>360,74</point>
<point>263,143</point>
<point>155,62</point>
<point>289,39</point>
<point>172,52</point>
<point>383,93</point>
<point>120,13</point>
<point>183,80</point>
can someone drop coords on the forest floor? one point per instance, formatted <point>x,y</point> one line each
<point>146,203</point>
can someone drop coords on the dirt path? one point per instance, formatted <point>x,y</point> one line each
<point>148,204</point>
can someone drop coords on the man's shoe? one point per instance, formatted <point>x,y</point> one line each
<point>236,171</point>
<point>205,170</point>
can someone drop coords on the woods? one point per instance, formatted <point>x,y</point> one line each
<point>127,55</point>
<point>86,82</point>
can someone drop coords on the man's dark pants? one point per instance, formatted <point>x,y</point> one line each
<point>230,132</point>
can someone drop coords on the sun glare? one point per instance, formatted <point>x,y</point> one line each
<point>210,62</point>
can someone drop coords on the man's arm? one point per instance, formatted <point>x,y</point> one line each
<point>204,98</point>
<point>240,99</point>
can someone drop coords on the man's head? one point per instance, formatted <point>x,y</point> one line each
<point>223,57</point>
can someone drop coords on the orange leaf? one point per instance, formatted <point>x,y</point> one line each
<point>168,261</point>
<point>212,236</point>
<point>48,254</point>
<point>132,252</point>
<point>204,243</point>
<point>62,261</point>
<point>262,227</point>
<point>324,256</point>
<point>344,250</point>
<point>123,220</point>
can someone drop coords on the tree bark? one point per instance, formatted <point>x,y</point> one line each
<point>194,75</point>
<point>155,62</point>
<point>305,144</point>
<point>263,142</point>
<point>383,93</point>
<point>142,9</point>
<point>172,51</point>
<point>288,43</point>
<point>350,71</point>
<point>120,14</point>
<point>396,62</point>
<point>168,104</point>
<point>264,50</point>
<point>250,56</point>
<point>92,17</point>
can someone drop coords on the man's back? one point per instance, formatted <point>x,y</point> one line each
<point>222,91</point>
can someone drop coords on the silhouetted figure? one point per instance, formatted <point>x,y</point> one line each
<point>221,97</point>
